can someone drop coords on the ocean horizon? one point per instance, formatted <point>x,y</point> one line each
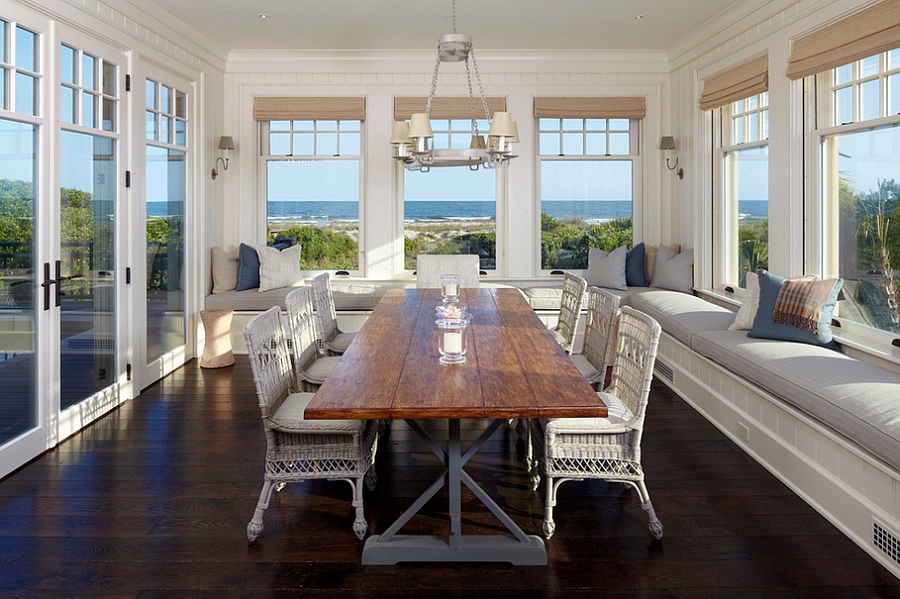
<point>596,211</point>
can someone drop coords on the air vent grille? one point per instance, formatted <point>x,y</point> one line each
<point>664,370</point>
<point>886,541</point>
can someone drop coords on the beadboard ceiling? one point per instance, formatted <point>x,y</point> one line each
<point>417,24</point>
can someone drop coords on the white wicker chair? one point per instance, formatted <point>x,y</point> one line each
<point>334,340</point>
<point>604,448</point>
<point>430,267</point>
<point>310,367</point>
<point>599,332</point>
<point>569,311</point>
<point>298,449</point>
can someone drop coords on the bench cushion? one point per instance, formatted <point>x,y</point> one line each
<point>855,398</point>
<point>680,314</point>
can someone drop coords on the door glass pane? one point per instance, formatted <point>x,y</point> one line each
<point>166,329</point>
<point>87,220</point>
<point>18,176</point>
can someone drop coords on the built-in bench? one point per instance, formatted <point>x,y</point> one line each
<point>828,425</point>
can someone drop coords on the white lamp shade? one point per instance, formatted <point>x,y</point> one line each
<point>502,125</point>
<point>400,132</point>
<point>420,126</point>
<point>515,135</point>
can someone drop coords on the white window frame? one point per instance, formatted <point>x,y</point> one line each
<point>265,157</point>
<point>822,249</point>
<point>634,156</point>
<point>725,122</point>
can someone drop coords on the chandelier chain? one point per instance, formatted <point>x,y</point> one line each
<point>434,82</point>
<point>472,98</point>
<point>487,114</point>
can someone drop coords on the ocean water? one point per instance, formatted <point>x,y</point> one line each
<point>589,210</point>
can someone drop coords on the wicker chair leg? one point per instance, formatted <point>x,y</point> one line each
<point>255,527</point>
<point>549,526</point>
<point>359,525</point>
<point>656,527</point>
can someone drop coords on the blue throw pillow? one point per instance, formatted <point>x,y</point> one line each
<point>765,328</point>
<point>635,274</point>
<point>248,268</point>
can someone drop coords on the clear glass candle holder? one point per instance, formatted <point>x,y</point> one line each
<point>450,288</point>
<point>452,342</point>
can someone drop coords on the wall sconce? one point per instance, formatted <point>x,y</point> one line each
<point>226,142</point>
<point>667,143</point>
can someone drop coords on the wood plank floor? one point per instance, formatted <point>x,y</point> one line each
<point>152,501</point>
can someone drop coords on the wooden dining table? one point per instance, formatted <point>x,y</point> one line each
<point>514,368</point>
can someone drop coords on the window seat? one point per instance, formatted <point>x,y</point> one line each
<point>826,424</point>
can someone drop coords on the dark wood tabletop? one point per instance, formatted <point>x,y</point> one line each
<point>514,366</point>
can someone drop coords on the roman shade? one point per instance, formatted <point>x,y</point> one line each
<point>590,108</point>
<point>743,81</point>
<point>309,108</point>
<point>873,30</point>
<point>445,107</point>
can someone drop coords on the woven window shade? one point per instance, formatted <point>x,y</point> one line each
<point>446,108</point>
<point>309,109</point>
<point>741,82</point>
<point>590,108</point>
<point>868,32</point>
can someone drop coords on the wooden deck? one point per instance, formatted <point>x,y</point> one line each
<point>152,501</point>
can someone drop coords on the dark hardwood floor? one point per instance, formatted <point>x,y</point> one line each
<point>152,501</point>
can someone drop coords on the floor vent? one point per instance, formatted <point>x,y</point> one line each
<point>664,370</point>
<point>886,541</point>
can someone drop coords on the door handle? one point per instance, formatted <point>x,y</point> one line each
<point>48,282</point>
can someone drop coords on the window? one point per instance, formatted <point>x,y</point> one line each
<point>587,170</point>
<point>313,189</point>
<point>857,126</point>
<point>742,218</point>
<point>451,210</point>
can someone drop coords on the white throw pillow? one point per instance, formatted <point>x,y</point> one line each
<point>279,269</point>
<point>743,320</point>
<point>674,271</point>
<point>224,270</point>
<point>607,270</point>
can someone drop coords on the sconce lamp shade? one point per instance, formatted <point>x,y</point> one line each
<point>400,132</point>
<point>420,126</point>
<point>667,143</point>
<point>226,142</point>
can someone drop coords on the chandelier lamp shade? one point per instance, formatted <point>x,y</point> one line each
<point>413,142</point>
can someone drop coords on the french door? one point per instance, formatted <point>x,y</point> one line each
<point>61,247</point>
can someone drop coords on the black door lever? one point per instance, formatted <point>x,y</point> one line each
<point>48,282</point>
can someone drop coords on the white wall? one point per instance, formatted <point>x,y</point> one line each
<point>379,76</point>
<point>737,36</point>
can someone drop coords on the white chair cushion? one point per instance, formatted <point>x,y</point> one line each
<point>585,367</point>
<point>322,367</point>
<point>618,417</point>
<point>290,417</point>
<point>342,341</point>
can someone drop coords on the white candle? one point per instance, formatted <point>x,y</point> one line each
<point>453,342</point>
<point>450,289</point>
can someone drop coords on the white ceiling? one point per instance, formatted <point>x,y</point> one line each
<point>417,24</point>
